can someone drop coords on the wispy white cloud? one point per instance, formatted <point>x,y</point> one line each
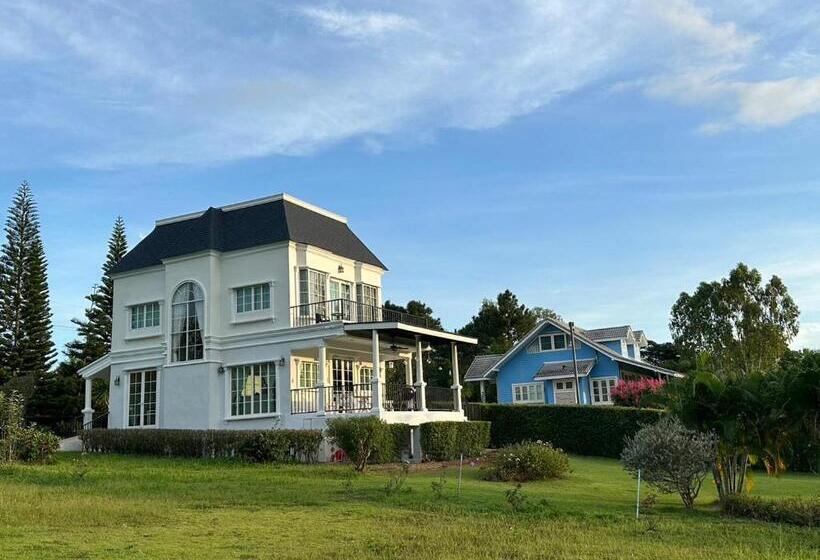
<point>118,83</point>
<point>357,25</point>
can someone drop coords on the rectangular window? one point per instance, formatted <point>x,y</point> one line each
<point>308,374</point>
<point>602,390</point>
<point>252,298</point>
<point>312,293</point>
<point>142,398</point>
<point>528,393</point>
<point>253,389</point>
<point>368,297</point>
<point>340,298</point>
<point>551,342</point>
<point>145,315</point>
<point>365,375</point>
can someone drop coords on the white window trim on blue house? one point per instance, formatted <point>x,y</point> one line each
<point>608,384</point>
<point>552,337</point>
<point>526,390</point>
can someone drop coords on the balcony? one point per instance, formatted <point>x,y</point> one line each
<point>348,311</point>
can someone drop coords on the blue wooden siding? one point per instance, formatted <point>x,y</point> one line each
<point>523,364</point>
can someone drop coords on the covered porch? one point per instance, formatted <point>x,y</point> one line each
<point>376,369</point>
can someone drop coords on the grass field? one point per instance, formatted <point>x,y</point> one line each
<point>125,507</point>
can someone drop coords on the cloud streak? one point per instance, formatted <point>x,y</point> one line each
<point>116,84</point>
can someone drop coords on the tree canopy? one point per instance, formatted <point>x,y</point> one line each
<point>743,325</point>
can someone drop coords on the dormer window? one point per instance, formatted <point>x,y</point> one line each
<point>550,342</point>
<point>187,312</point>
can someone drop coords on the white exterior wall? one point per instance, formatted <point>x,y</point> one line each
<point>195,394</point>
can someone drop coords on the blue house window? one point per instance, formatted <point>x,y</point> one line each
<point>528,393</point>
<point>550,342</point>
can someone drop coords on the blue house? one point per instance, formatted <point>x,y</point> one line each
<point>540,370</point>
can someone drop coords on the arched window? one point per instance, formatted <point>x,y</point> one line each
<point>187,311</point>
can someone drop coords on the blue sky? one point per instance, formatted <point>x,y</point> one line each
<point>595,159</point>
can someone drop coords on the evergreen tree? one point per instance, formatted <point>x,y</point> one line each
<point>95,330</point>
<point>26,347</point>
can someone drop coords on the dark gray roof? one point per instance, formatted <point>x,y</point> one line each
<point>245,227</point>
<point>607,333</point>
<point>556,370</point>
<point>481,367</point>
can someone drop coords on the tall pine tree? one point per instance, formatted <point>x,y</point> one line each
<point>58,396</point>
<point>26,348</point>
<point>95,330</point>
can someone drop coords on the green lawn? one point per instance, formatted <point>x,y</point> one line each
<point>161,508</point>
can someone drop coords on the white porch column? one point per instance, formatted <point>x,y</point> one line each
<point>376,393</point>
<point>88,412</point>
<point>408,370</point>
<point>456,383</point>
<point>421,398</point>
<point>483,391</point>
<point>320,397</point>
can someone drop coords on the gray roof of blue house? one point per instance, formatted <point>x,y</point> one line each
<point>607,333</point>
<point>558,370</point>
<point>482,367</point>
<point>246,226</point>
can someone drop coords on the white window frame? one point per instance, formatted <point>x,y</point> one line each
<point>552,337</point>
<point>369,303</point>
<point>534,389</point>
<point>261,314</point>
<point>257,297</point>
<point>172,332</point>
<point>127,398</point>
<point>609,384</point>
<point>229,374</point>
<point>360,377</point>
<point>313,365</point>
<point>338,309</point>
<point>313,280</point>
<point>134,312</point>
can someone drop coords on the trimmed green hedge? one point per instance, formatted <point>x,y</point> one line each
<point>582,430</point>
<point>796,511</point>
<point>446,441</point>
<point>254,445</point>
<point>385,442</point>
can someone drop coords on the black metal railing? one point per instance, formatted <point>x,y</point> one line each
<point>439,398</point>
<point>399,397</point>
<point>304,401</point>
<point>349,398</point>
<point>349,311</point>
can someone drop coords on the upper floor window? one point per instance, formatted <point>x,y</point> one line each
<point>187,312</point>
<point>252,298</point>
<point>368,297</point>
<point>312,289</point>
<point>550,342</point>
<point>145,315</point>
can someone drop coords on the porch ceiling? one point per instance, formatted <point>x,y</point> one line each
<point>406,333</point>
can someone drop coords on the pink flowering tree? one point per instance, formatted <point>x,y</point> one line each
<point>636,393</point>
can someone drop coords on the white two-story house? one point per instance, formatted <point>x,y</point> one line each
<point>262,314</point>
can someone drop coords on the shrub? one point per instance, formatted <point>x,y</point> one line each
<point>35,445</point>
<point>11,424</point>
<point>671,457</point>
<point>524,462</point>
<point>365,440</point>
<point>446,441</point>
<point>791,510</point>
<point>281,446</point>
<point>203,443</point>
<point>637,393</point>
<point>584,430</point>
